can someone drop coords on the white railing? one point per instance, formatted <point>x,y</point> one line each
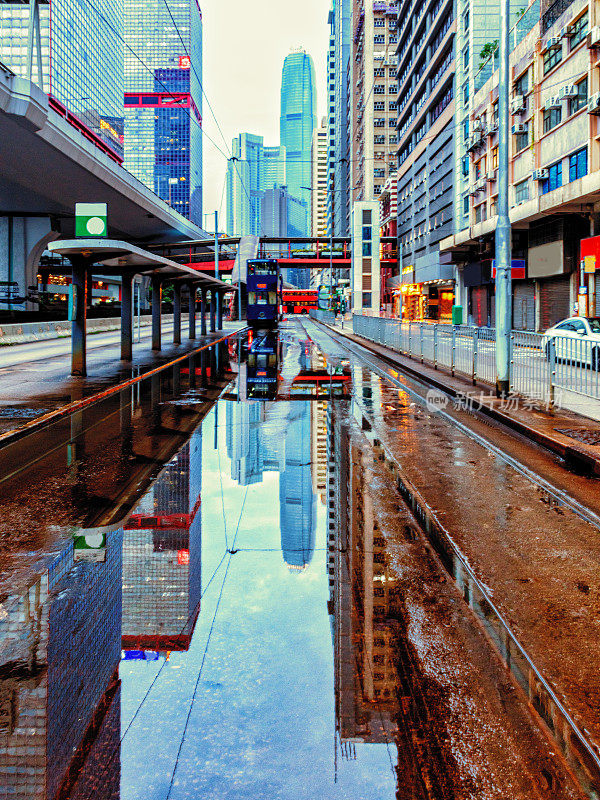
<point>562,369</point>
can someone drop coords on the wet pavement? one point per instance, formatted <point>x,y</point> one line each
<point>210,588</point>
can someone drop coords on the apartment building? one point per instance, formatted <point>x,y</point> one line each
<point>554,170</point>
<point>426,141</point>
<point>319,226</point>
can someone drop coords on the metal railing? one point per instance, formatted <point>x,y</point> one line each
<point>546,369</point>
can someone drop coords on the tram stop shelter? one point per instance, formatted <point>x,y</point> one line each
<point>116,257</point>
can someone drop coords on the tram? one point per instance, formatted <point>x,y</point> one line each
<point>262,368</point>
<point>264,293</point>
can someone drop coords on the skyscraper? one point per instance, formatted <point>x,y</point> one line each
<point>257,169</point>
<point>82,61</point>
<point>163,100</point>
<point>340,39</point>
<point>297,123</point>
<point>319,181</point>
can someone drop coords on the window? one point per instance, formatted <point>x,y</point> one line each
<point>521,141</point>
<point>393,88</point>
<point>578,31</point>
<point>380,39</point>
<point>379,105</point>
<point>379,72</point>
<point>554,179</point>
<point>379,88</point>
<point>465,166</point>
<point>552,57</point>
<point>552,116</point>
<point>466,129</point>
<point>366,300</point>
<point>466,57</point>
<point>578,164</point>
<point>379,122</point>
<point>466,93</point>
<point>366,250</point>
<point>466,21</point>
<point>495,158</point>
<point>465,205</point>
<point>522,192</point>
<point>582,95</point>
<point>522,84</point>
<point>379,23</point>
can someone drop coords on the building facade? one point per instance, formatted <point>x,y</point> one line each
<point>297,123</point>
<point>338,157</point>
<point>319,225</point>
<point>374,98</point>
<point>257,169</point>
<point>163,100</point>
<point>82,61</point>
<point>554,172</point>
<point>426,140</point>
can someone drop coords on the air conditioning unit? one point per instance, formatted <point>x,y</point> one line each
<point>552,41</point>
<point>570,90</point>
<point>540,174</point>
<point>519,127</point>
<point>594,104</point>
<point>594,37</point>
<point>566,32</point>
<point>492,129</point>
<point>480,185</point>
<point>517,104</point>
<point>553,102</point>
<point>477,125</point>
<point>492,175</point>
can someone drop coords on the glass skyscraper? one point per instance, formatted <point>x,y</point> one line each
<point>297,123</point>
<point>258,169</point>
<point>82,60</point>
<point>163,100</point>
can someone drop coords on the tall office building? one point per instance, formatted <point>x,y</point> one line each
<point>319,181</point>
<point>338,157</point>
<point>82,61</point>
<point>374,101</point>
<point>257,169</point>
<point>297,123</point>
<point>163,100</point>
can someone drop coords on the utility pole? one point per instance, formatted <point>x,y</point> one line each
<point>217,245</point>
<point>503,232</point>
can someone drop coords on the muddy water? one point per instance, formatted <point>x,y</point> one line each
<point>218,598</point>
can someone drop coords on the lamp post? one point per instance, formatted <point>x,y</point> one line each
<point>503,231</point>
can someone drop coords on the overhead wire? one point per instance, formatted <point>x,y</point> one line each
<point>231,552</point>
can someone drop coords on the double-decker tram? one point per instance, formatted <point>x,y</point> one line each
<point>262,283</point>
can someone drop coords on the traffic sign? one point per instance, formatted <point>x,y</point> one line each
<point>90,219</point>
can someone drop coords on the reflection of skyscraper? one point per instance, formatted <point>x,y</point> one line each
<point>363,598</point>
<point>297,507</point>
<point>60,646</point>
<point>162,558</point>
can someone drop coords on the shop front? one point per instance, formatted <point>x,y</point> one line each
<point>413,302</point>
<point>546,265</point>
<point>438,300</point>
<point>477,278</point>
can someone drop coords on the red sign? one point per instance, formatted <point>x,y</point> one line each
<point>183,556</point>
<point>184,62</point>
<point>261,285</point>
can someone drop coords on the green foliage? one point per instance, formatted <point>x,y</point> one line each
<point>487,51</point>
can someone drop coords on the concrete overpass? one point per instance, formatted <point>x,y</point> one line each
<point>49,163</point>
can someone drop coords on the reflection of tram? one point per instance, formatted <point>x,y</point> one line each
<point>263,292</point>
<point>262,367</point>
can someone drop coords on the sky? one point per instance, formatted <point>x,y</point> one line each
<point>245,44</point>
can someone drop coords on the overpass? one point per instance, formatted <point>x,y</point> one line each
<point>50,161</point>
<point>297,252</point>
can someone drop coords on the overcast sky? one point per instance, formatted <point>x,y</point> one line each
<point>245,43</point>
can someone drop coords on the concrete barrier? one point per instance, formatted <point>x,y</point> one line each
<point>20,333</point>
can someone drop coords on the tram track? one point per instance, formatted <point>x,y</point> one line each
<point>573,740</point>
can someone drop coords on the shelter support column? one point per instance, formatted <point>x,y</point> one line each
<point>192,311</point>
<point>203,312</point>
<point>78,325</point>
<point>176,313</point>
<point>156,312</point>
<point>213,310</point>
<point>126,318</point>
<point>220,297</point>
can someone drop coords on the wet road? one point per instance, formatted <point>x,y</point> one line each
<point>224,598</point>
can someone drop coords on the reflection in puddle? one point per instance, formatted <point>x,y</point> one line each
<point>215,612</point>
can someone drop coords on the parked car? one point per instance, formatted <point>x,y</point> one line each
<point>576,339</point>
